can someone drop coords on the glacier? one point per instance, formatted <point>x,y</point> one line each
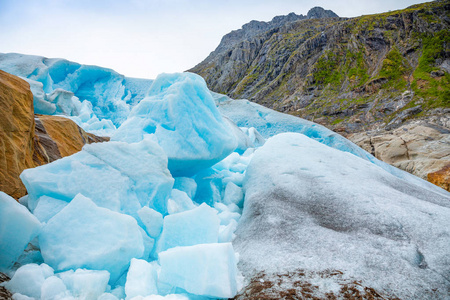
<point>97,99</point>
<point>196,190</point>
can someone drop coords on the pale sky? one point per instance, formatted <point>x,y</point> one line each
<point>142,38</point>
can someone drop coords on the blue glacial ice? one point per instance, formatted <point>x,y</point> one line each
<point>83,235</point>
<point>180,111</point>
<point>179,201</point>
<point>17,228</point>
<point>152,220</point>
<point>268,123</point>
<point>187,185</point>
<point>196,226</point>
<point>115,175</point>
<point>53,288</point>
<point>153,213</point>
<point>83,283</point>
<point>142,279</point>
<point>98,99</point>
<point>28,279</point>
<point>205,269</point>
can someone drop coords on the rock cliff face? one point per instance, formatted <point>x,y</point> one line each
<point>419,147</point>
<point>351,75</point>
<point>16,132</point>
<point>27,140</point>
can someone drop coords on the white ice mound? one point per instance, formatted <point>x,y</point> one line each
<point>115,175</point>
<point>206,269</point>
<point>269,123</point>
<point>17,228</point>
<point>181,112</point>
<point>83,235</point>
<point>312,207</point>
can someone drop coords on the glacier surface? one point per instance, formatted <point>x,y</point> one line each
<point>156,212</point>
<point>97,99</point>
<point>312,207</point>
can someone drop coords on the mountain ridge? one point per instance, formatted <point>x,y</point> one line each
<point>350,74</point>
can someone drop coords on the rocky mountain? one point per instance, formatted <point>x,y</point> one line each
<point>369,72</point>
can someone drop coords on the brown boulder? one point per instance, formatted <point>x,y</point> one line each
<point>28,141</point>
<point>441,178</point>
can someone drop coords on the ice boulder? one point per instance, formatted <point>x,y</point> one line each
<point>233,194</point>
<point>145,163</point>
<point>141,279</point>
<point>83,235</point>
<point>243,140</point>
<point>207,269</point>
<point>152,220</point>
<point>29,279</point>
<point>115,175</point>
<point>181,112</point>
<point>107,296</point>
<point>209,186</point>
<point>47,207</point>
<point>187,185</point>
<point>179,201</point>
<point>53,288</point>
<point>85,284</point>
<point>196,226</point>
<point>82,173</point>
<point>17,228</point>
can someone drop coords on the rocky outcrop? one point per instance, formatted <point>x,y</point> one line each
<point>348,74</point>
<point>57,137</point>
<point>28,141</point>
<point>420,147</point>
<point>16,133</point>
<point>4,293</point>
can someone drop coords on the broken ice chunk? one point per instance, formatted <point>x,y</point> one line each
<point>196,226</point>
<point>53,288</point>
<point>17,228</point>
<point>207,269</point>
<point>47,207</point>
<point>179,201</point>
<point>187,185</point>
<point>85,284</point>
<point>233,194</point>
<point>83,235</point>
<point>153,221</point>
<point>28,280</point>
<point>141,279</point>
